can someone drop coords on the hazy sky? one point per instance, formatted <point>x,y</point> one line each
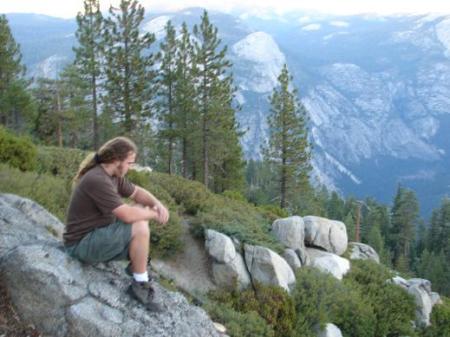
<point>69,8</point>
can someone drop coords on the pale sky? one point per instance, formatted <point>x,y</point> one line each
<point>69,8</point>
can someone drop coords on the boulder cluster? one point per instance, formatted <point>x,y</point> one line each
<point>311,240</point>
<point>308,241</point>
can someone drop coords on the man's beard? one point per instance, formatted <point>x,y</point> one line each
<point>120,170</point>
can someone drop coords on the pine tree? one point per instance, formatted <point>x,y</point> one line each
<point>434,267</point>
<point>220,149</point>
<point>167,81</point>
<point>62,114</point>
<point>89,56</point>
<point>405,212</point>
<point>288,147</point>
<point>227,162</point>
<point>335,207</point>
<point>261,187</point>
<point>439,232</point>
<point>187,112</point>
<point>129,74</point>
<point>77,112</point>
<point>350,225</point>
<point>15,102</point>
<point>49,123</point>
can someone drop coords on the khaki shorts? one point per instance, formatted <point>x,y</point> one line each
<point>103,244</point>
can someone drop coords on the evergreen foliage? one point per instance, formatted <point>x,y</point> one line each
<point>61,113</point>
<point>88,57</point>
<point>129,74</point>
<point>166,99</point>
<point>221,155</point>
<point>15,100</point>
<point>405,212</point>
<point>288,147</point>
<point>187,111</point>
<point>60,162</point>
<point>50,192</point>
<point>17,152</point>
<point>320,298</point>
<point>271,303</point>
<point>394,308</point>
<point>238,324</point>
<point>440,320</point>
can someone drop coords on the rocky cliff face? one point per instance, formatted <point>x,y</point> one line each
<point>377,90</point>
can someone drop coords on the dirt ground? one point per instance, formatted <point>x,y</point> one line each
<point>10,323</point>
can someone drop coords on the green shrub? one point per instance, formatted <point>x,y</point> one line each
<point>59,161</point>
<point>50,192</point>
<point>166,239</point>
<point>228,216</point>
<point>18,152</point>
<point>234,195</point>
<point>238,324</point>
<point>273,212</point>
<point>236,219</point>
<point>271,303</point>
<point>192,195</point>
<point>144,179</point>
<point>394,308</point>
<point>320,298</point>
<point>440,320</point>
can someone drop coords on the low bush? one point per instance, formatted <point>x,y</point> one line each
<point>222,213</point>
<point>393,307</point>
<point>192,195</point>
<point>17,152</point>
<point>273,212</point>
<point>58,161</point>
<point>440,320</point>
<point>236,219</point>
<point>320,298</point>
<point>248,324</point>
<point>234,195</point>
<point>271,303</point>
<point>51,192</point>
<point>166,238</point>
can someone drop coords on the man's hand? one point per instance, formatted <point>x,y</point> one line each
<point>163,213</point>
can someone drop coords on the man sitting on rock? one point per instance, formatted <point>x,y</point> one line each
<point>100,227</point>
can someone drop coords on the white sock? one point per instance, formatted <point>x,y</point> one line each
<point>143,277</point>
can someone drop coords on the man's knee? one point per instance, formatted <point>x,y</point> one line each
<point>140,228</point>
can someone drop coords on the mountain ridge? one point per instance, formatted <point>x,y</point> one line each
<point>376,87</point>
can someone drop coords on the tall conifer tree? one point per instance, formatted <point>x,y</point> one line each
<point>405,213</point>
<point>15,102</point>
<point>220,148</point>
<point>165,106</point>
<point>128,69</point>
<point>89,56</point>
<point>288,146</point>
<point>187,113</point>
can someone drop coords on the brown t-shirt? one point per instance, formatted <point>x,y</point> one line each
<point>92,202</point>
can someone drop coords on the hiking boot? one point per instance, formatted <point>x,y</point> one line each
<point>144,293</point>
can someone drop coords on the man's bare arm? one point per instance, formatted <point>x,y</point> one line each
<point>130,214</point>
<point>145,198</point>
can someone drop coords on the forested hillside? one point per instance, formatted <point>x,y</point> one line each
<point>177,101</point>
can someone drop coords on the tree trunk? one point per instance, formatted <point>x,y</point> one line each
<point>94,116</point>
<point>59,116</point>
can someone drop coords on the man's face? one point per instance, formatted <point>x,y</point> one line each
<point>123,166</point>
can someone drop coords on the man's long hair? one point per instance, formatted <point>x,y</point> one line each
<point>115,149</point>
